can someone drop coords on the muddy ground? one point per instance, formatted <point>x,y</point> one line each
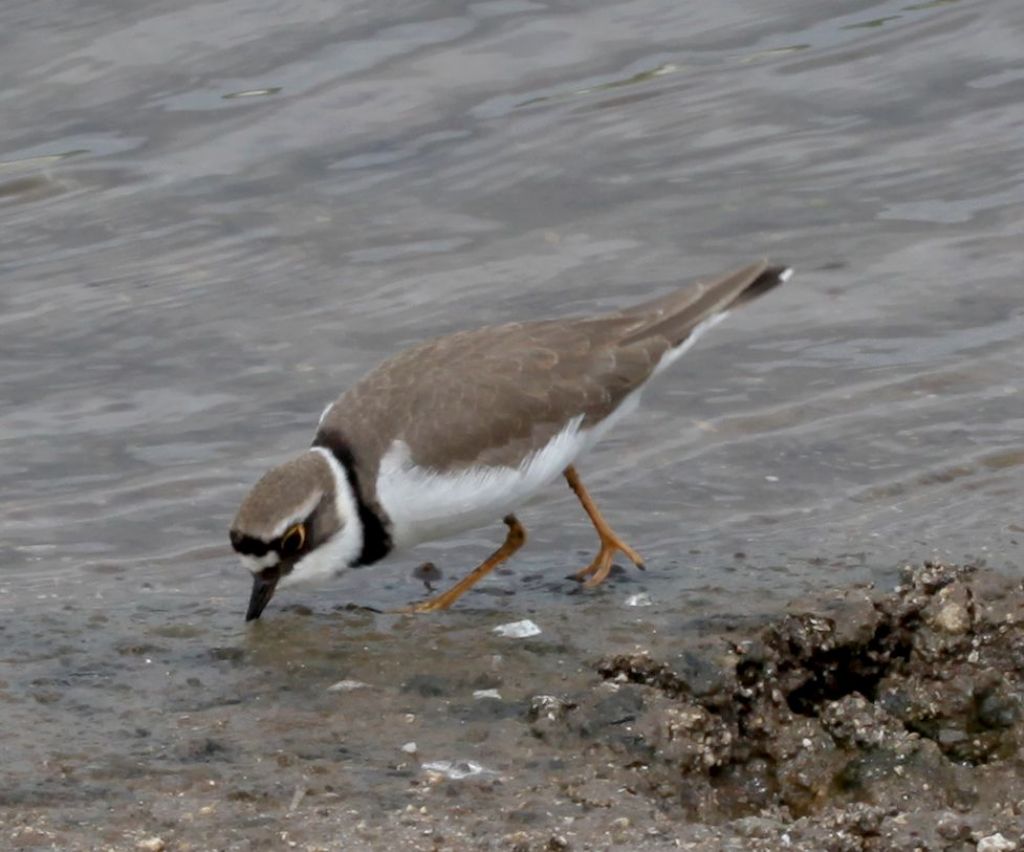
<point>859,720</point>
<point>863,721</point>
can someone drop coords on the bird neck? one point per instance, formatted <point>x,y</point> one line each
<point>374,534</point>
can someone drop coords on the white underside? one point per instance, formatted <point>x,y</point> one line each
<point>426,504</point>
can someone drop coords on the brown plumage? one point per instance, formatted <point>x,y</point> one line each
<point>492,395</point>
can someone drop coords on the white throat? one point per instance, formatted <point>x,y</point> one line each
<point>343,548</point>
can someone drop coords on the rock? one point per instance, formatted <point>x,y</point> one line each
<point>996,843</point>
<point>757,827</point>
<point>855,721</point>
<point>548,717</point>
<point>952,826</point>
<point>151,844</point>
<point>950,610</point>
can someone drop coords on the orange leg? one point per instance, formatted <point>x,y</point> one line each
<point>515,539</point>
<point>596,572</point>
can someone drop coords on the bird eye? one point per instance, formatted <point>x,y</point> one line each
<point>293,540</point>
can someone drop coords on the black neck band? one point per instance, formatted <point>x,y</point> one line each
<point>376,538</point>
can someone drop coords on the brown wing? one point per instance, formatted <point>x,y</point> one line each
<point>493,394</point>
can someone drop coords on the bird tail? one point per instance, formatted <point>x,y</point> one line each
<point>676,315</point>
<point>771,278</point>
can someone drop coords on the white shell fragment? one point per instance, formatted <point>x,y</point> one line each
<point>297,797</point>
<point>486,693</point>
<point>518,629</point>
<point>346,686</point>
<point>457,770</point>
<point>639,599</point>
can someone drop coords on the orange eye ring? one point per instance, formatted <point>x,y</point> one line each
<point>293,540</point>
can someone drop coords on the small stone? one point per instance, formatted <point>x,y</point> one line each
<point>410,748</point>
<point>151,844</point>
<point>952,827</point>
<point>757,827</point>
<point>996,843</point>
<point>953,618</point>
<point>428,574</point>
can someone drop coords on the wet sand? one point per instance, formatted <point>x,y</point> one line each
<point>857,720</point>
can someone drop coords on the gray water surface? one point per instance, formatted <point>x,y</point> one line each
<point>215,216</point>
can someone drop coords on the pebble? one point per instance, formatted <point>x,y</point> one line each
<point>518,629</point>
<point>953,618</point>
<point>151,844</point>
<point>410,748</point>
<point>952,827</point>
<point>996,843</point>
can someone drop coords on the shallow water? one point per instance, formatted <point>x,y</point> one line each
<point>217,216</point>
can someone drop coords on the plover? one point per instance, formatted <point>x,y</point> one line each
<point>462,430</point>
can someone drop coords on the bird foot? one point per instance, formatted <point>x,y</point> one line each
<point>597,571</point>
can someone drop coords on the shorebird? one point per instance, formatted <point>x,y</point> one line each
<point>465,429</point>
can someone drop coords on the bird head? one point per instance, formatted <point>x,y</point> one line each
<point>298,524</point>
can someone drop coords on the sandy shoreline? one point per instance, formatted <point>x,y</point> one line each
<point>856,720</point>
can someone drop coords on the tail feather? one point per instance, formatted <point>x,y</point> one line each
<point>676,315</point>
<point>771,278</point>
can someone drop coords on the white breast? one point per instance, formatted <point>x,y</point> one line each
<point>426,504</point>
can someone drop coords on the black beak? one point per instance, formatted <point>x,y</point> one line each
<point>262,591</point>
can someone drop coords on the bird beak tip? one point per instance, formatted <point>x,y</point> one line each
<point>262,592</point>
